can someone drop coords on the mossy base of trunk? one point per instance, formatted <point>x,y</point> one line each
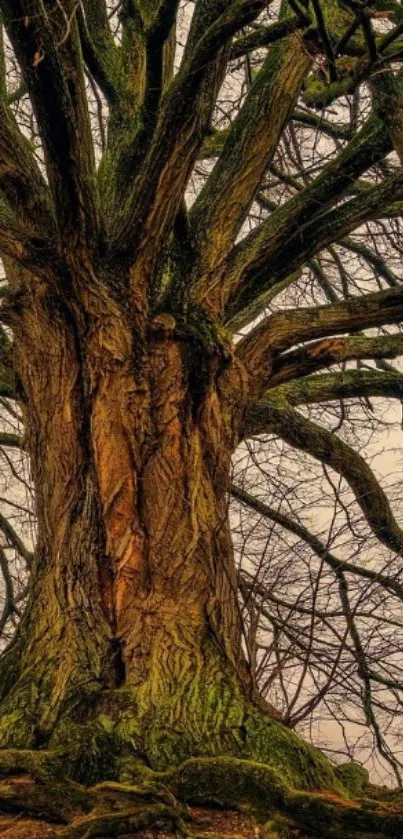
<point>131,760</point>
<point>105,735</point>
<point>111,769</point>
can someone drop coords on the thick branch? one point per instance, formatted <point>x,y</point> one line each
<point>262,36</point>
<point>20,179</point>
<point>152,204</point>
<point>24,247</point>
<point>55,81</point>
<point>349,384</point>
<point>282,330</point>
<point>215,142</point>
<point>222,205</point>
<point>388,102</point>
<point>100,53</point>
<point>246,275</point>
<point>331,351</point>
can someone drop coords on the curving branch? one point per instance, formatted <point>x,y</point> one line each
<point>277,416</point>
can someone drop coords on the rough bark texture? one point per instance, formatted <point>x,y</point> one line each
<point>130,435</point>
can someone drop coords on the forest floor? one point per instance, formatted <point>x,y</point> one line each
<point>206,822</point>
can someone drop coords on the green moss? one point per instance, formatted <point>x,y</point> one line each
<point>16,730</point>
<point>89,749</point>
<point>353,777</point>
<point>123,727</point>
<point>301,765</point>
<point>279,827</point>
<point>319,95</point>
<point>335,819</point>
<point>230,782</point>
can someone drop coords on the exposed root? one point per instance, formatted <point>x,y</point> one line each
<point>123,823</point>
<point>34,785</point>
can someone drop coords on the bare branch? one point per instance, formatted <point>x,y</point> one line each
<point>280,418</point>
<point>317,546</point>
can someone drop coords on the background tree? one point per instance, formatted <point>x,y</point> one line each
<point>147,337</point>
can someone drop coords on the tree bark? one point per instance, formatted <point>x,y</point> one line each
<point>130,430</point>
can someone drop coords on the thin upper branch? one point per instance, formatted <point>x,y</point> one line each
<point>277,416</point>
<point>317,546</point>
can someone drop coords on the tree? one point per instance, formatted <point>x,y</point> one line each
<point>120,314</point>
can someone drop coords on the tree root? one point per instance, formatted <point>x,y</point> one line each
<point>124,822</point>
<point>34,784</point>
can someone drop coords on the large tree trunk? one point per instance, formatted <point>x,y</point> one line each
<point>129,657</point>
<point>130,433</point>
